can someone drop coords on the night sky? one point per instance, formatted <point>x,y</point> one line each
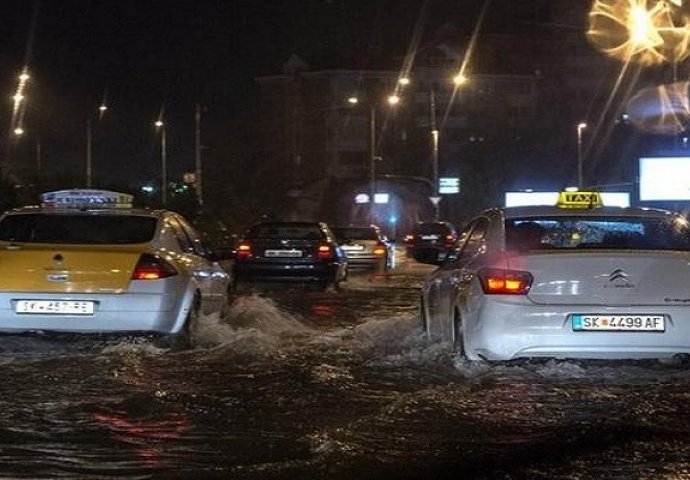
<point>142,56</point>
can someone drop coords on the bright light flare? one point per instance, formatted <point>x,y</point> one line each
<point>19,131</point>
<point>661,110</point>
<point>353,100</point>
<point>647,31</point>
<point>159,123</point>
<point>393,99</point>
<point>460,79</point>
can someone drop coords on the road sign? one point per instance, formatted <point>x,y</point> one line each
<point>435,200</point>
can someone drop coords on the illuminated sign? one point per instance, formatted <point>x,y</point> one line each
<point>86,198</point>
<point>380,198</point>
<point>448,185</point>
<point>522,199</point>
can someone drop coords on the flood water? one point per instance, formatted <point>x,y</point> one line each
<point>297,383</point>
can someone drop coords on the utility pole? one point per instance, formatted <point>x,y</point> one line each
<point>88,153</point>
<point>198,185</point>
<point>434,151</point>
<point>372,162</point>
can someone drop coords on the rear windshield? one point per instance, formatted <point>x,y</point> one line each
<point>355,234</point>
<point>77,229</point>
<point>284,231</point>
<point>628,233</point>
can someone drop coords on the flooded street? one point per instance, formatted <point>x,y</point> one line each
<point>304,384</point>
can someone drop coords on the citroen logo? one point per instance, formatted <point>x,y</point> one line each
<point>618,274</point>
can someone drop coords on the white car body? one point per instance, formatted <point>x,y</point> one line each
<point>589,300</point>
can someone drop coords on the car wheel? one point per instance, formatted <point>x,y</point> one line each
<point>183,340</point>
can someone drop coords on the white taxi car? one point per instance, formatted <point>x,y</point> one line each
<point>86,261</point>
<point>576,280</point>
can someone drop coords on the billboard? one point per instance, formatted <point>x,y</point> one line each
<point>664,178</point>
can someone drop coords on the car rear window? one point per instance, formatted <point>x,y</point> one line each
<point>355,234</point>
<point>77,229</point>
<point>291,232</point>
<point>629,233</point>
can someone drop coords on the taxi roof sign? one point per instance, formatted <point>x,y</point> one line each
<point>579,200</point>
<point>78,198</point>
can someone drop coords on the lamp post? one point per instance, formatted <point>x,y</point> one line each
<point>580,127</point>
<point>197,156</point>
<point>164,162</point>
<point>372,161</point>
<point>89,150</point>
<point>373,157</point>
<point>434,151</point>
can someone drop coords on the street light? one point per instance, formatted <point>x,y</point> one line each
<point>164,163</point>
<point>373,157</point>
<point>580,126</point>
<point>89,147</point>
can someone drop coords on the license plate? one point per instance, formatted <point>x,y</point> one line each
<point>429,237</point>
<point>55,307</point>
<point>619,323</point>
<point>283,253</point>
<point>353,248</point>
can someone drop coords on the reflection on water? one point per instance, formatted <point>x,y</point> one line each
<point>330,385</point>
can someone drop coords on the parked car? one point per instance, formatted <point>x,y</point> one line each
<point>87,261</point>
<point>365,247</point>
<point>290,252</point>
<point>430,241</point>
<point>577,280</point>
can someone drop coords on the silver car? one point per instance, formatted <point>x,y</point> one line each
<point>607,283</point>
<point>365,247</point>
<point>84,261</point>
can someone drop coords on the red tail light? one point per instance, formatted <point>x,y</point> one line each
<point>497,281</point>
<point>380,249</point>
<point>152,267</point>
<point>450,240</point>
<point>324,251</point>
<point>243,251</point>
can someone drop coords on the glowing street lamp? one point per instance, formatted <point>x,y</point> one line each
<point>580,127</point>
<point>460,79</point>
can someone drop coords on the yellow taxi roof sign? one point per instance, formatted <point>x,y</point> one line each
<point>580,200</point>
<point>89,198</point>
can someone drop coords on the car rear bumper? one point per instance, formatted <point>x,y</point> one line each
<point>267,272</point>
<point>505,329</point>
<point>144,312</point>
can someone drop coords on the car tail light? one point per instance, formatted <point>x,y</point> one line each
<point>450,240</point>
<point>409,239</point>
<point>324,251</point>
<point>380,249</point>
<point>152,267</point>
<point>243,251</point>
<point>498,281</point>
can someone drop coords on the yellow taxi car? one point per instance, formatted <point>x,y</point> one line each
<point>87,261</point>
